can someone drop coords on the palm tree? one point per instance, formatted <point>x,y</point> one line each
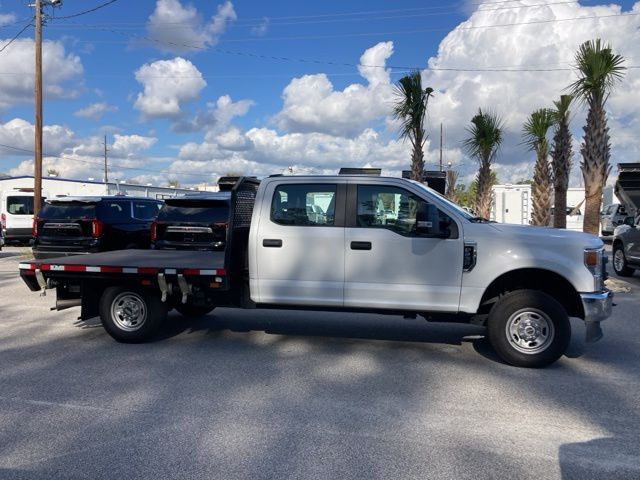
<point>598,70</point>
<point>483,144</point>
<point>534,133</point>
<point>410,109</point>
<point>452,179</point>
<point>561,160</point>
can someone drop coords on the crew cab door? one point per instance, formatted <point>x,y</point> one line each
<point>401,251</point>
<point>299,247</point>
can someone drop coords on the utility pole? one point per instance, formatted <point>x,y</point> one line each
<point>37,151</point>
<point>440,146</point>
<point>106,176</point>
<point>37,160</point>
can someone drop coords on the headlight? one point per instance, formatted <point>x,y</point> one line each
<point>594,261</point>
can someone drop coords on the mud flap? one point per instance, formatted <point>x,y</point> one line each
<point>593,332</point>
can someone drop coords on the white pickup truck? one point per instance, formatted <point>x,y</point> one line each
<point>353,243</point>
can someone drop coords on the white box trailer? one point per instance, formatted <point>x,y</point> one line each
<point>513,204</point>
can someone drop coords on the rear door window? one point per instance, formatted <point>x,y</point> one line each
<point>304,205</point>
<point>20,205</point>
<point>115,211</point>
<point>144,210</point>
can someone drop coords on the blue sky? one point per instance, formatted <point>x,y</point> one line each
<point>193,90</point>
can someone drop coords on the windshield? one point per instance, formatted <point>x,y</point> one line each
<point>68,211</point>
<point>196,211</point>
<point>463,213</point>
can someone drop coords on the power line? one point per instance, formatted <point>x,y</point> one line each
<point>17,22</point>
<point>314,37</point>
<point>348,64</point>
<point>112,166</point>
<point>315,20</point>
<point>274,21</point>
<point>15,37</point>
<point>86,11</point>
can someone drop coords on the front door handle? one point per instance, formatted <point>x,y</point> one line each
<point>272,242</point>
<point>360,245</point>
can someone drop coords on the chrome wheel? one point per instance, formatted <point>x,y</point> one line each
<point>530,331</point>
<point>619,262</point>
<point>128,311</point>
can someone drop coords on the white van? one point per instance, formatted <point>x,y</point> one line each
<point>16,214</point>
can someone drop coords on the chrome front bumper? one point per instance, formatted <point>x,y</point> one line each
<point>597,307</point>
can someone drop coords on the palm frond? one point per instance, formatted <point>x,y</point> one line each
<point>562,108</point>
<point>411,105</point>
<point>534,131</point>
<point>485,136</point>
<point>598,71</point>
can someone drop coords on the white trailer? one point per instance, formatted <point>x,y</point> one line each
<point>513,204</point>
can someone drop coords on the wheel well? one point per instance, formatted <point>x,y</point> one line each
<point>616,243</point>
<point>546,281</point>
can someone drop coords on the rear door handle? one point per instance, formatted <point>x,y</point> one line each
<point>272,242</point>
<point>360,245</point>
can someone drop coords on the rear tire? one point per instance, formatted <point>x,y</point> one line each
<point>620,265</point>
<point>193,311</point>
<point>131,315</point>
<point>528,328</point>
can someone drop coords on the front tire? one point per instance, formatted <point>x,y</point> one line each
<point>620,265</point>
<point>528,328</point>
<point>131,315</point>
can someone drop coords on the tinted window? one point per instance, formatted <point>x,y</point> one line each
<point>68,211</point>
<point>400,211</point>
<point>20,205</point>
<point>304,205</point>
<point>114,211</point>
<point>196,211</point>
<point>143,210</point>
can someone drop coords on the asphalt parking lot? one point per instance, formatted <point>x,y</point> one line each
<point>274,394</point>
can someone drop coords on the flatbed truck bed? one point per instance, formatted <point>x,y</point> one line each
<point>168,262</point>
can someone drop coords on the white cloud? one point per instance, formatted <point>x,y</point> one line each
<point>73,157</point>
<point>261,29</point>
<point>180,28</point>
<point>7,18</point>
<point>312,105</point>
<point>515,95</point>
<point>233,139</point>
<point>167,84</point>
<point>95,111</point>
<point>128,145</point>
<point>19,133</point>
<point>62,71</point>
<point>217,116</point>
